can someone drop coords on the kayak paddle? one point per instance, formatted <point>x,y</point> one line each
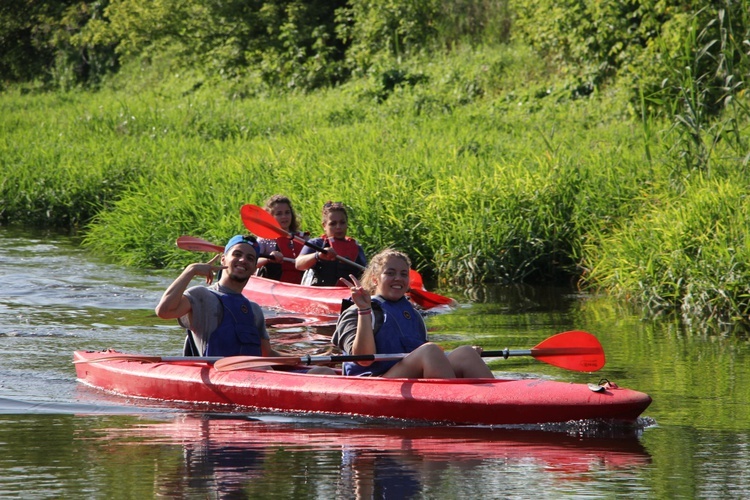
<point>574,350</point>
<point>194,244</point>
<point>263,224</point>
<point>151,359</point>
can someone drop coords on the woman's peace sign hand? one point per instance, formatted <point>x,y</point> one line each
<point>360,296</point>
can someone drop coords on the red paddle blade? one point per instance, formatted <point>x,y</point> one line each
<point>415,280</point>
<point>231,363</point>
<point>428,300</point>
<point>261,223</point>
<point>574,350</point>
<point>194,244</point>
<point>121,357</point>
<point>421,296</point>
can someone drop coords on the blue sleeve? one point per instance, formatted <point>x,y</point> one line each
<point>314,241</point>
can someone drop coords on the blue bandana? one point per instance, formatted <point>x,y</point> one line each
<point>250,240</point>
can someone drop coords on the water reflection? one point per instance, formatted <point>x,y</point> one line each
<point>224,456</point>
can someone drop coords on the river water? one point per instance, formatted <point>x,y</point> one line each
<point>60,439</point>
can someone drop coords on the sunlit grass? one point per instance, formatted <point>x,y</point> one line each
<point>487,171</point>
<point>688,252</point>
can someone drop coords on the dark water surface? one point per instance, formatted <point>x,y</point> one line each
<point>60,439</point>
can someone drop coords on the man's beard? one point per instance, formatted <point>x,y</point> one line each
<point>234,277</point>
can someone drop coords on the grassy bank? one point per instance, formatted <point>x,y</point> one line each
<point>481,166</point>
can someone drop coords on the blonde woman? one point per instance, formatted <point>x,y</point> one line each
<point>383,321</point>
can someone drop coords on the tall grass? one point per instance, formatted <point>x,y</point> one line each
<point>688,253</point>
<point>478,164</point>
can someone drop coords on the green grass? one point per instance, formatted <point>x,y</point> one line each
<point>486,169</point>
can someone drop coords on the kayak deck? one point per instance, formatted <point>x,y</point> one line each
<point>459,401</point>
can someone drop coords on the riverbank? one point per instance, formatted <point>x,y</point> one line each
<point>483,169</point>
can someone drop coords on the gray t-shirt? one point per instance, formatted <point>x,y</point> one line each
<point>208,313</point>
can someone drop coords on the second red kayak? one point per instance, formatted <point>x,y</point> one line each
<point>321,300</point>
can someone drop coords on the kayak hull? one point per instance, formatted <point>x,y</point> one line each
<point>289,297</point>
<point>322,300</point>
<point>461,401</point>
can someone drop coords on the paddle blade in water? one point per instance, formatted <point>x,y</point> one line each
<point>421,296</point>
<point>574,350</point>
<point>428,300</point>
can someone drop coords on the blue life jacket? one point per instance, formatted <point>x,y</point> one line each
<point>403,330</point>
<point>237,333</point>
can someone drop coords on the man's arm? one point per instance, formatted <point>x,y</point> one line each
<point>266,349</point>
<point>173,303</point>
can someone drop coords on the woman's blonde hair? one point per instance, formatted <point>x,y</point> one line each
<point>376,266</point>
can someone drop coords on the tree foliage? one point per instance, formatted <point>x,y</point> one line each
<point>287,43</point>
<point>648,43</point>
<point>290,43</point>
<point>667,51</point>
<point>41,40</point>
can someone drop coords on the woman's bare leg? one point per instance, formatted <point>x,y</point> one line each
<point>467,363</point>
<point>426,361</point>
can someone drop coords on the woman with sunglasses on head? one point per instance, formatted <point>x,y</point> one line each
<point>281,251</point>
<point>383,321</point>
<point>324,268</point>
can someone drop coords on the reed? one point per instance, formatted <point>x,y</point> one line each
<point>687,253</point>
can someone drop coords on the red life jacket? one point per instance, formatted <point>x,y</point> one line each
<point>289,248</point>
<point>346,248</point>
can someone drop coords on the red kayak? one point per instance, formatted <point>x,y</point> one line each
<point>458,401</point>
<point>321,300</point>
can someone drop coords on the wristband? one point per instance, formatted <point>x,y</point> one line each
<point>364,312</point>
